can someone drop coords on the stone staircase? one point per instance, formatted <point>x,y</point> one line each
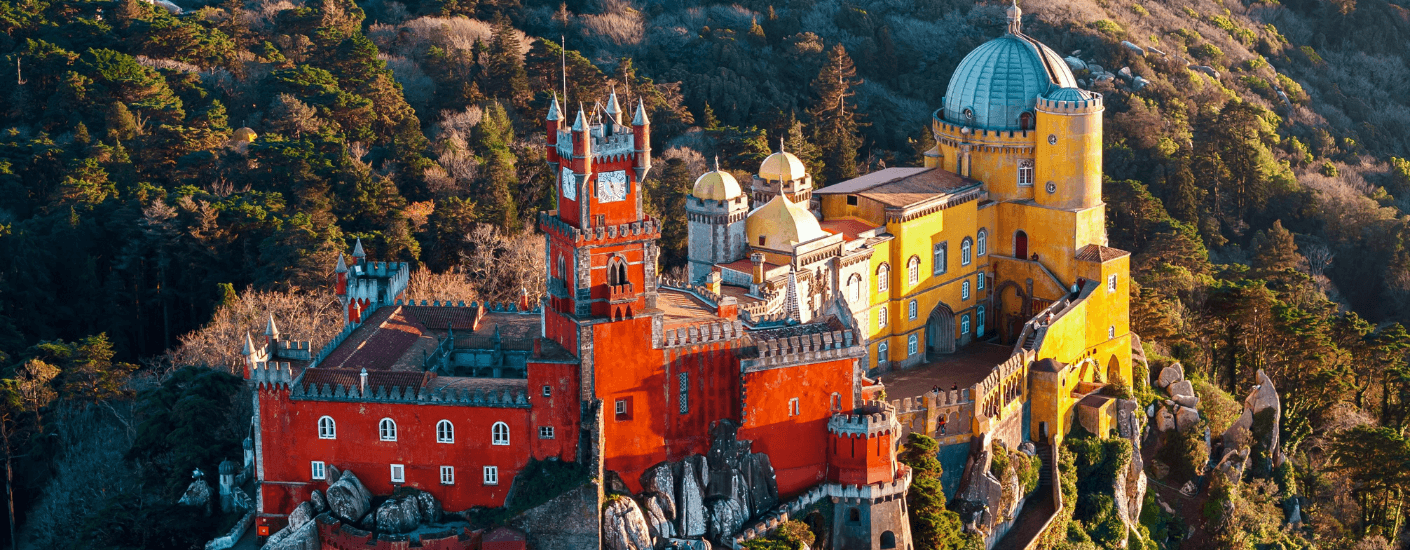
<point>1045,473</point>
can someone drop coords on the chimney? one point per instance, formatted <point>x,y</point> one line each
<point>363,385</point>
<point>758,259</point>
<point>714,280</point>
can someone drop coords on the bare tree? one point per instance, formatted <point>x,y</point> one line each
<point>450,286</point>
<point>502,266</point>
<point>299,315</point>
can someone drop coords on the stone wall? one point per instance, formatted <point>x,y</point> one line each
<point>568,522</point>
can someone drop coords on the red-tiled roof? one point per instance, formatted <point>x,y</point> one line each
<point>382,342</point>
<point>352,378</point>
<point>437,318</point>
<point>848,228</point>
<point>1098,253</point>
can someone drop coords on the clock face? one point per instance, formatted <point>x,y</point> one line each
<point>569,183</point>
<point>612,186</point>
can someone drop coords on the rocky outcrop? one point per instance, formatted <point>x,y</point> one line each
<point>624,527</point>
<point>316,500</point>
<point>660,480</point>
<point>303,513</point>
<point>303,537</point>
<point>980,494</point>
<point>398,515</point>
<point>567,522</point>
<point>727,515</point>
<point>348,499</point>
<point>656,519</point>
<point>429,507</point>
<point>692,502</point>
<point>1180,412</point>
<point>332,474</point>
<point>1170,375</point>
<point>1260,419</point>
<point>1134,48</point>
<point>198,493</point>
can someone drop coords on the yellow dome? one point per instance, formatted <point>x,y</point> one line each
<point>780,222</point>
<point>244,134</point>
<point>717,185</point>
<point>781,166</point>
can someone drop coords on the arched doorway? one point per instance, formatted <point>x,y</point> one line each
<point>940,331</point>
<point>1113,370</point>
<point>1010,323</point>
<point>1020,245</point>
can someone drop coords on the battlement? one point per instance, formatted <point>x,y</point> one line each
<point>296,351</point>
<point>701,291</point>
<point>875,418</point>
<point>273,375</point>
<point>805,348</point>
<point>838,492</point>
<point>620,145</point>
<point>1092,105</point>
<point>639,230</point>
<point>702,334</point>
<point>516,397</point>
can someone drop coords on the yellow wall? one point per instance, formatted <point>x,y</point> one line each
<point>1072,161</point>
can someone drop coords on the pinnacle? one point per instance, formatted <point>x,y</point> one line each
<point>358,252</point>
<point>554,113</point>
<point>639,119</point>
<point>270,329</point>
<point>342,266</point>
<point>612,106</point>
<point>249,345</point>
<point>580,123</point>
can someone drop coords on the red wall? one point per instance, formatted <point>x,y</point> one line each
<point>796,445</point>
<point>626,367</point>
<point>861,461</point>
<point>713,394</point>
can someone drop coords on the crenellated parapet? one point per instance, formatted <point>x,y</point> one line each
<point>874,493</point>
<point>293,351</point>
<point>701,291</point>
<point>702,334</point>
<point>1091,104</point>
<point>798,349</point>
<point>271,375</point>
<point>516,397</point>
<point>549,222</point>
<point>880,421</point>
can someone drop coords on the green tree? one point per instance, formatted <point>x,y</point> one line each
<point>1377,461</point>
<point>506,70</point>
<point>932,525</point>
<point>1274,249</point>
<point>834,121</point>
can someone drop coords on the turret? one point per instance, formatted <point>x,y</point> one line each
<point>613,110</point>
<point>271,332</point>
<point>551,125</point>
<point>359,255</point>
<point>641,128</point>
<point>340,272</point>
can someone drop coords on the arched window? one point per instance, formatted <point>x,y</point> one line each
<point>981,243</point>
<point>836,402</point>
<point>979,321</point>
<point>562,270</point>
<point>1025,172</point>
<point>883,277</point>
<point>966,250</point>
<point>912,345</point>
<point>913,269</point>
<point>964,324</point>
<point>499,434</point>
<point>387,429</point>
<point>327,429</point>
<point>881,354</point>
<point>939,263</point>
<point>881,317</point>
<point>445,432</point>
<point>888,539</point>
<point>1020,245</point>
<point>964,290</point>
<point>1025,121</point>
<point>854,283</point>
<point>616,271</point>
<point>912,310</point>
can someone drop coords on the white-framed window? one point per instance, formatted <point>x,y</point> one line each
<point>621,406</point>
<point>447,475</point>
<point>912,345</point>
<point>318,471</point>
<point>836,402</point>
<point>881,317</point>
<point>387,429</point>
<point>683,380</point>
<point>964,324</point>
<point>913,270</point>
<point>1111,332</point>
<point>854,283</point>
<point>1025,172</point>
<point>398,473</point>
<point>939,262</point>
<point>445,432</point>
<point>882,354</point>
<point>1111,283</point>
<point>548,391</point>
<point>883,277</point>
<point>545,432</point>
<point>793,407</point>
<point>327,428</point>
<point>499,434</point>
<point>966,251</point>
<point>981,243</point>
<point>964,290</point>
<point>912,310</point>
<point>979,321</point>
<point>979,281</point>
<point>491,475</point>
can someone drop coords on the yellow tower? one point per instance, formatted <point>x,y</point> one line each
<point>1068,154</point>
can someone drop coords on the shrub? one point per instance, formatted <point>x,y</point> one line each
<point>1208,52</point>
<point>791,535</point>
<point>1294,90</point>
<point>1140,10</point>
<point>1108,26</point>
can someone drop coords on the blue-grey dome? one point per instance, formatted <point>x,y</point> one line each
<point>1001,80</point>
<point>1070,94</point>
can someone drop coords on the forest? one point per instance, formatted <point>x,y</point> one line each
<point>171,173</point>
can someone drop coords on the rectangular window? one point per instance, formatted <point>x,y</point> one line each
<point>793,409</point>
<point>684,391</point>
<point>547,391</point>
<point>621,406</point>
<point>912,345</point>
<point>1025,172</point>
<point>491,475</point>
<point>318,472</point>
<point>881,318</point>
<point>940,263</point>
<point>1111,283</point>
<point>398,473</point>
<point>979,281</point>
<point>545,432</point>
<point>447,475</point>
<point>851,200</point>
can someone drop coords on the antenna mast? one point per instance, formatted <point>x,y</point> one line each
<point>563,60</point>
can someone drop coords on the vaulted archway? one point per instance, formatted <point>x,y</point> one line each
<point>940,331</point>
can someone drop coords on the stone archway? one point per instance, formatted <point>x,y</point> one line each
<point>940,331</point>
<point>1113,370</point>
<point>1009,324</point>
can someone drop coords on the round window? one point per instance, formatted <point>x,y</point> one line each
<point>1052,187</point>
<point>1052,139</point>
<point>968,113</point>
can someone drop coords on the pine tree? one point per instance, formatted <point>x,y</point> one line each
<point>122,126</point>
<point>506,69</point>
<point>834,121</point>
<point>796,141</point>
<point>498,176</point>
<point>1275,250</point>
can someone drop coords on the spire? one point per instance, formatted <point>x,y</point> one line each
<point>640,118</point>
<point>342,266</point>
<point>553,111</point>
<point>249,345</point>
<point>780,144</point>
<point>613,109</point>
<point>793,300</point>
<point>717,163</point>
<point>579,124</point>
<point>1015,18</point>
<point>358,252</point>
<point>269,329</point>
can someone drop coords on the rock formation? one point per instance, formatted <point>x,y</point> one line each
<point>198,493</point>
<point>348,499</point>
<point>624,527</point>
<point>1260,419</point>
<point>398,515</point>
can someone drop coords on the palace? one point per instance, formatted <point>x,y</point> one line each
<point>747,394</point>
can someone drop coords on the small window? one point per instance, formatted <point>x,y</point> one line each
<point>1111,332</point>
<point>853,515</point>
<point>883,278</point>
<point>621,407</point>
<point>445,432</point>
<point>545,432</point>
<point>851,200</point>
<point>964,290</point>
<point>836,402</point>
<point>964,324</point>
<point>327,429</point>
<point>684,382</point>
<point>979,321</point>
<point>548,391</point>
<point>981,243</point>
<point>793,409</point>
<point>881,318</point>
<point>1025,172</point>
<point>763,240</point>
<point>913,270</point>
<point>855,284</point>
<point>882,355</point>
<point>979,281</point>
<point>398,473</point>
<point>318,471</point>
<point>1111,283</point>
<point>888,540</point>
<point>387,430</point>
<point>966,248</point>
<point>912,310</point>
<point>940,264</point>
<point>499,434</point>
<point>447,475</point>
<point>912,345</point>
<point>491,475</point>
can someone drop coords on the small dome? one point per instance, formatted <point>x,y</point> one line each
<point>780,222</point>
<point>1070,94</point>
<point>716,185</point>
<point>227,468</point>
<point>782,166</point>
<point>244,134</point>
<point>1001,80</point>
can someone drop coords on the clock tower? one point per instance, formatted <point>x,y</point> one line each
<point>601,246</point>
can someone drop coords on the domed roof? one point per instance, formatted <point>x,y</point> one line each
<point>1070,94</point>
<point>781,166</point>
<point>1002,79</point>
<point>716,185</point>
<point>781,223</point>
<point>244,134</point>
<point>227,467</point>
